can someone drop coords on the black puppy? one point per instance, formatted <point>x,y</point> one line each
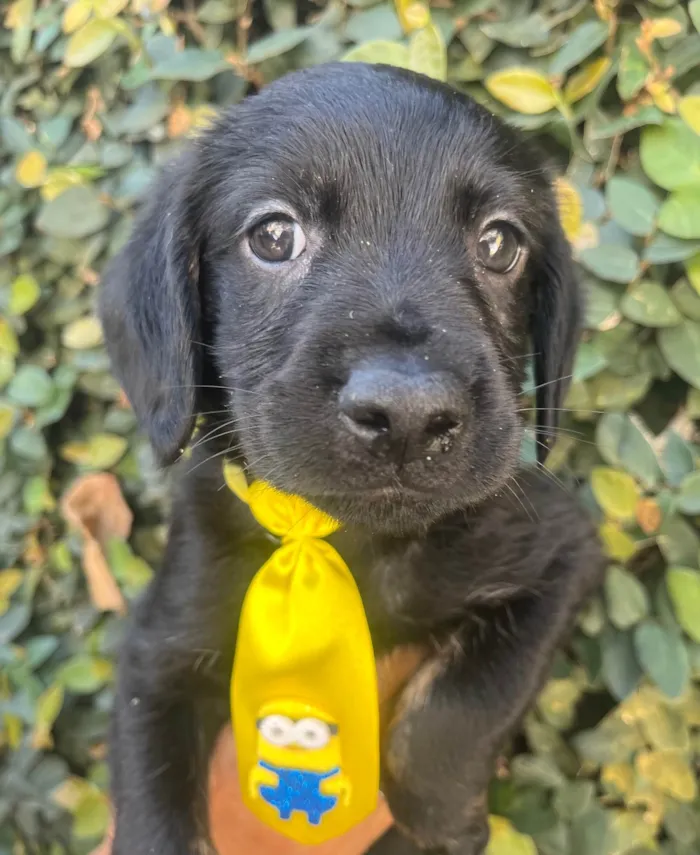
<point>346,276</point>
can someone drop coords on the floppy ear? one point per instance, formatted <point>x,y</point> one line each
<point>555,329</point>
<point>150,310</point>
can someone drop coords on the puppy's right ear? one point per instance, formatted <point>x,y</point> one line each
<point>150,311</point>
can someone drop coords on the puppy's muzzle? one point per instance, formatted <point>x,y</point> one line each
<point>401,410</point>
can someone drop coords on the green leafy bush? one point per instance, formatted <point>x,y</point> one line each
<point>95,95</point>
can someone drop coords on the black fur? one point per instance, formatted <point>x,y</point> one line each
<point>392,178</point>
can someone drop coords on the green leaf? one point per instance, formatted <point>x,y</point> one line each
<point>664,658</point>
<point>629,832</point>
<point>632,205</point>
<point>529,769</point>
<point>574,798</point>
<point>85,674</point>
<point>671,154</point>
<point>585,39</point>
<point>149,107</point>
<point>689,494</point>
<point>626,598</point>
<point>522,89</point>
<point>82,333</point>
<point>632,72</point>
<point>621,441</point>
<point>14,622</point>
<point>530,31</point>
<point>603,129</point>
<point>692,268</point>
<point>589,832</point>
<point>29,443</point>
<point>7,419</point>
<point>680,346</point>
<point>22,33</point>
<point>381,23</point>
<point>89,42</point>
<point>132,572</point>
<point>613,263</point>
<point>676,459</point>
<point>30,387</point>
<point>684,590</point>
<point>10,581</point>
<point>14,136</point>
<point>389,53</point>
<point>506,840</point>
<point>613,392</point>
<point>649,304</point>
<point>687,299</point>
<point>680,214</point>
<point>223,12</point>
<point>679,542</point>
<point>276,44</point>
<point>428,54</point>
<point>91,817</point>
<point>589,361</point>
<point>192,64</point>
<point>601,303</point>
<point>587,79</point>
<point>665,250</point>
<point>101,451</point>
<point>37,496</point>
<point>76,213</point>
<point>694,11</point>
<point>689,111</point>
<point>621,671</point>
<point>615,491</point>
<point>24,294</point>
<point>48,706</point>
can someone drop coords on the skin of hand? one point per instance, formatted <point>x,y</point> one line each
<point>234,829</point>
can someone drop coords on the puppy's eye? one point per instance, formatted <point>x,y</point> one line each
<point>499,247</point>
<point>277,239</point>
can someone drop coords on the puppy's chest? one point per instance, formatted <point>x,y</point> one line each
<point>409,588</point>
<point>405,598</point>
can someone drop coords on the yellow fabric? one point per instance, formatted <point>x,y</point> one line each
<point>304,687</point>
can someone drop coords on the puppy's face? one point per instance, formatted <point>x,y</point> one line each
<point>367,258</point>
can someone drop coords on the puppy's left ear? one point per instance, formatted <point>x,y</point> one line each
<point>555,328</point>
<point>150,311</point>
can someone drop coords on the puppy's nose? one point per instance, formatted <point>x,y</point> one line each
<point>402,414</point>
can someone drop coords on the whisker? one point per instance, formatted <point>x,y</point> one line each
<point>217,432</point>
<point>208,459</point>
<point>562,410</point>
<point>549,474</point>
<point>524,494</point>
<point>518,358</point>
<point>549,383</point>
<point>517,498</point>
<point>553,433</point>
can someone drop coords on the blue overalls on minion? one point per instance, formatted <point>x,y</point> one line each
<point>299,790</point>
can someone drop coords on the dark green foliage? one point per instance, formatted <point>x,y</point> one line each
<point>95,94</point>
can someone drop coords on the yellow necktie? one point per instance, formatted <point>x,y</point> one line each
<point>304,696</point>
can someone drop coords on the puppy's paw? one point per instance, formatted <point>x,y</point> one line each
<point>393,842</point>
<point>436,783</point>
<point>442,828</point>
<point>472,841</point>
<point>141,844</point>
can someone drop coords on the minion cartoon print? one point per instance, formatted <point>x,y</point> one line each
<point>299,762</point>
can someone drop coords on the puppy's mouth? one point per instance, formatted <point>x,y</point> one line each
<point>388,493</point>
<point>392,509</point>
